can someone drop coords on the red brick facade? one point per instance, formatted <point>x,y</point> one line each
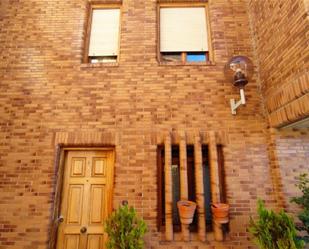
<point>49,97</point>
<point>281,32</point>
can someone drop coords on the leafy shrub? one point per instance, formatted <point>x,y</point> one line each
<point>303,201</point>
<point>125,230</point>
<point>274,230</point>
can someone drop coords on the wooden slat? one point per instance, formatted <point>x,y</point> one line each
<point>168,189</point>
<point>184,180</point>
<point>221,173</point>
<point>160,183</point>
<point>214,174</point>
<point>214,181</point>
<point>183,167</point>
<point>198,164</point>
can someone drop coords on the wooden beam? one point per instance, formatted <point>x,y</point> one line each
<point>198,164</point>
<point>214,181</point>
<point>184,180</point>
<point>214,173</point>
<point>183,167</point>
<point>160,186</point>
<point>168,189</point>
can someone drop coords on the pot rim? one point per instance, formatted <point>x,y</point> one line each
<point>186,203</point>
<point>220,206</point>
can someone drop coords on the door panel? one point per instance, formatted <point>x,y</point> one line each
<point>99,167</point>
<point>78,167</point>
<point>95,241</point>
<point>86,199</point>
<point>96,204</point>
<point>75,202</point>
<point>71,241</point>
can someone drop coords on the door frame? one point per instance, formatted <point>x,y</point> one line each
<point>60,155</point>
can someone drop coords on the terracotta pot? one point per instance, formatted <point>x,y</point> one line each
<point>220,212</point>
<point>186,211</point>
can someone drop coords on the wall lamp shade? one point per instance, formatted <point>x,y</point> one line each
<point>238,70</point>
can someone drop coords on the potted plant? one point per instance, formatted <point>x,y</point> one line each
<point>274,230</point>
<point>125,230</point>
<point>186,211</point>
<point>220,212</point>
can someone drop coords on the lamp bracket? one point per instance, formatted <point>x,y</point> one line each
<point>242,101</point>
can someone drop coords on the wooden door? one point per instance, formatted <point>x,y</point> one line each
<point>86,199</point>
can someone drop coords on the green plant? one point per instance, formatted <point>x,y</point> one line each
<point>125,230</point>
<point>274,230</point>
<point>303,201</point>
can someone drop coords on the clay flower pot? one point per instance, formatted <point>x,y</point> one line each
<point>220,212</point>
<point>186,211</point>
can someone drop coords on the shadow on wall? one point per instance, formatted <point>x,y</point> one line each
<point>290,158</point>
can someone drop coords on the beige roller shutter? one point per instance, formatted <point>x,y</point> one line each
<point>104,37</point>
<point>183,29</point>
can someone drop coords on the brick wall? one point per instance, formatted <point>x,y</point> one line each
<point>290,158</point>
<point>281,30</point>
<point>47,95</point>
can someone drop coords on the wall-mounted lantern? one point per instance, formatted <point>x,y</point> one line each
<point>238,70</point>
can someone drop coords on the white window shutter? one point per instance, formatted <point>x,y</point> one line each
<point>183,29</point>
<point>104,36</point>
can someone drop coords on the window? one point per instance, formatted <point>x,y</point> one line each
<point>191,184</point>
<point>184,34</point>
<point>103,35</point>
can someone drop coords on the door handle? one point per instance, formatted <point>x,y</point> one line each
<point>60,219</point>
<point>83,229</point>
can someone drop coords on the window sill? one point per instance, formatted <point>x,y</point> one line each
<point>179,63</point>
<point>99,65</point>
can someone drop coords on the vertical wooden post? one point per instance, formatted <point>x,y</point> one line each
<point>184,180</point>
<point>214,181</point>
<point>198,164</point>
<point>183,167</point>
<point>168,189</point>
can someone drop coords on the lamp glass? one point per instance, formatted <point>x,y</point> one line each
<point>239,65</point>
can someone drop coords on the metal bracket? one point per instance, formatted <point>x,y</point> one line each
<point>235,105</point>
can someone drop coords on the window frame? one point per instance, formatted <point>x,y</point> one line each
<point>91,8</point>
<point>209,54</point>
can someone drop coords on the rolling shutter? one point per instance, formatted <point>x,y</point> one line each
<point>183,30</point>
<point>104,37</point>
